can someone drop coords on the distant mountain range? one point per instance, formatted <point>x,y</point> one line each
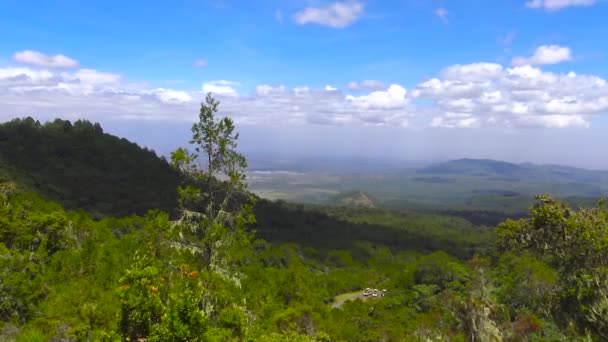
<point>505,171</point>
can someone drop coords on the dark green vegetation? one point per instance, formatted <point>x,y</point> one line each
<point>80,166</point>
<point>198,272</point>
<point>327,228</point>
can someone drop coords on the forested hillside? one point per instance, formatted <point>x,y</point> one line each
<point>82,167</point>
<point>218,264</point>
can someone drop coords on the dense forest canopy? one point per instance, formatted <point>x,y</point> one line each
<point>102,240</point>
<point>84,168</point>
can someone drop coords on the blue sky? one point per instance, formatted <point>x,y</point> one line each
<point>303,73</point>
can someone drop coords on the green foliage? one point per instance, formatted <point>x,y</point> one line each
<point>82,167</point>
<point>525,283</point>
<point>575,243</point>
<point>328,228</point>
<point>217,140</point>
<point>214,213</point>
<point>441,270</point>
<point>160,304</point>
<point>141,305</point>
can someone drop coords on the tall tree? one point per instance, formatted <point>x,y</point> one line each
<point>214,206</point>
<point>214,210</point>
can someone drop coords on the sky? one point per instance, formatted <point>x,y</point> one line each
<point>516,80</point>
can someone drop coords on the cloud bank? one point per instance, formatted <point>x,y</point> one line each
<point>467,96</point>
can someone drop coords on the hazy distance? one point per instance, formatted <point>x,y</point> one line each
<point>392,146</point>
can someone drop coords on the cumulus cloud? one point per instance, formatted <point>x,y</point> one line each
<point>85,93</point>
<point>265,90</point>
<point>47,61</point>
<point>46,94</point>
<point>554,5</point>
<point>220,87</point>
<point>25,76</point>
<point>514,97</point>
<point>201,63</point>
<point>365,85</point>
<point>392,98</point>
<point>460,96</point>
<point>173,96</point>
<point>472,72</point>
<point>90,76</point>
<point>545,54</point>
<point>303,105</point>
<point>336,15</point>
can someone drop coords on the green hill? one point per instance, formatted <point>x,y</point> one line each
<point>81,167</point>
<point>475,167</point>
<point>501,170</point>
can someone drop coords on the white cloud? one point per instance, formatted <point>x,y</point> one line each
<point>47,94</point>
<point>472,72</point>
<point>554,121</point>
<point>25,76</point>
<point>393,97</point>
<point>85,93</point>
<point>301,90</point>
<point>554,5</point>
<point>448,88</point>
<point>220,87</point>
<point>266,90</point>
<point>263,90</point>
<point>90,76</point>
<point>302,105</point>
<point>201,63</point>
<point>545,54</point>
<point>442,13</point>
<point>461,96</point>
<point>455,120</point>
<point>336,15</point>
<point>173,96</point>
<point>518,96</point>
<point>367,84</point>
<point>225,83</point>
<point>47,61</point>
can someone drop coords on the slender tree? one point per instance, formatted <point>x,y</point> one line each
<point>214,206</point>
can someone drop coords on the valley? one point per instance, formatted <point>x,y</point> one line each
<point>468,187</point>
<point>97,221</point>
